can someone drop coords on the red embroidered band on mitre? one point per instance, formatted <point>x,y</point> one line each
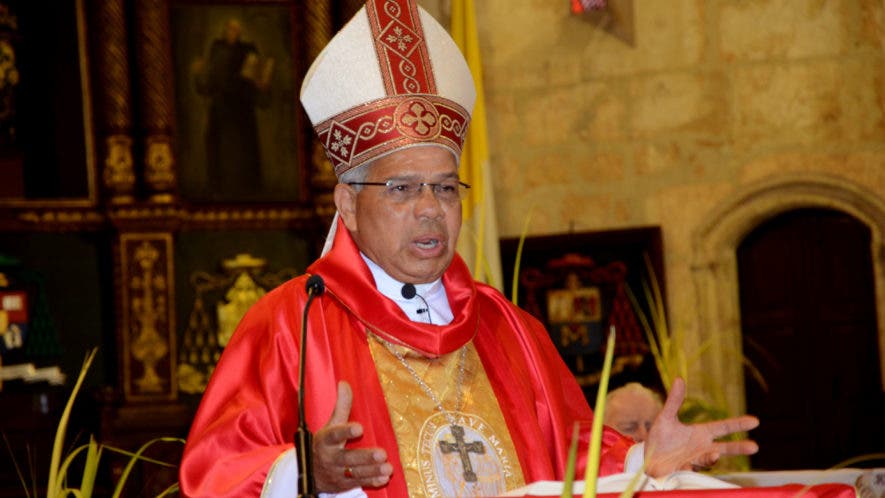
<point>368,131</point>
<point>400,46</point>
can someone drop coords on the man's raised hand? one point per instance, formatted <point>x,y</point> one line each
<point>672,445</point>
<point>336,468</point>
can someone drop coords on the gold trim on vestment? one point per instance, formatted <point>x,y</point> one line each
<point>419,426</point>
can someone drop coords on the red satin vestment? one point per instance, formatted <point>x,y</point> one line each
<point>248,414</point>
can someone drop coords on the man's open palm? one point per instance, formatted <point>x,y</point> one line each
<point>672,445</point>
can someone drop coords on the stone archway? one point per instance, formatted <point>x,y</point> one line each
<point>714,265</point>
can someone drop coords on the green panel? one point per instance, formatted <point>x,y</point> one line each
<point>76,271</point>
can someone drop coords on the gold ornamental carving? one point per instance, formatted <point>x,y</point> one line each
<point>148,307</point>
<point>111,57</point>
<point>148,323</point>
<point>232,293</point>
<point>159,168</point>
<point>119,174</point>
<point>79,220</point>
<point>323,180</point>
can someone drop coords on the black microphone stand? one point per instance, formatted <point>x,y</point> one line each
<point>303,437</point>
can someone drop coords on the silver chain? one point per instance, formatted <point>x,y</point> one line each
<point>423,385</point>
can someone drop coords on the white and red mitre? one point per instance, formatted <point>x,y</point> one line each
<point>392,78</point>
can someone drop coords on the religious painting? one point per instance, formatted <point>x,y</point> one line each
<point>45,98</point>
<point>239,124</point>
<point>574,314</point>
<point>578,286</point>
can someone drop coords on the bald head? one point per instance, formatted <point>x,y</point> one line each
<point>631,409</point>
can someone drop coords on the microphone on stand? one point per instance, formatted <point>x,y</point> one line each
<point>408,291</point>
<point>303,438</point>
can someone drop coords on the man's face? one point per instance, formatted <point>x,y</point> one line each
<point>414,240</point>
<point>232,31</point>
<point>632,414</point>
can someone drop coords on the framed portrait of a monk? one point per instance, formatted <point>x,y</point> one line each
<point>239,125</point>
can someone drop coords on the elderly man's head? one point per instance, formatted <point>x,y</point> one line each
<point>406,215</point>
<point>631,409</point>
<point>394,109</point>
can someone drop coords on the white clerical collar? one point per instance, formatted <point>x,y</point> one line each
<point>435,301</point>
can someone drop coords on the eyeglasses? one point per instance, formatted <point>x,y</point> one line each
<point>403,191</point>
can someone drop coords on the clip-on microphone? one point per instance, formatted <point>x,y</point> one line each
<point>303,438</point>
<point>408,291</point>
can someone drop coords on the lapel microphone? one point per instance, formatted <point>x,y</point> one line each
<point>408,291</point>
<point>303,438</point>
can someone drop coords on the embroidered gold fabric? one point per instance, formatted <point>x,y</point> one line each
<point>419,426</point>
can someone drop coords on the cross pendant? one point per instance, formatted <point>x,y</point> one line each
<point>464,449</point>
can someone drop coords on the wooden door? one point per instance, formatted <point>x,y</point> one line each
<point>809,324</point>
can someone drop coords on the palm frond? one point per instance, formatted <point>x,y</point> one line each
<point>569,478</point>
<point>591,473</point>
<point>18,469</point>
<point>55,481</point>
<point>514,290</point>
<point>634,483</point>
<point>58,486</point>
<point>61,484</point>
<point>135,458</point>
<point>90,467</point>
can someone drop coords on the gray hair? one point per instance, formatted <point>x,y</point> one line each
<point>356,175</point>
<point>637,388</point>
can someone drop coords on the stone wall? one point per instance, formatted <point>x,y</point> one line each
<point>711,99</point>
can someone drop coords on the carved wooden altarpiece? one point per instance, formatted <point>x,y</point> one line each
<point>123,194</point>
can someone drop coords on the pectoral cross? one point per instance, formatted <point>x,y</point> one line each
<point>464,449</point>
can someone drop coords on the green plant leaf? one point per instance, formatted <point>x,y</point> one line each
<point>63,469</point>
<point>144,458</point>
<point>630,490</point>
<point>755,373</point>
<point>18,470</point>
<point>169,491</point>
<point>514,296</point>
<point>58,468</point>
<point>569,477</point>
<point>55,481</point>
<point>135,458</point>
<point>591,473</point>
<point>90,468</point>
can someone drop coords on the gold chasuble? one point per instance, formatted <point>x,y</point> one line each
<point>451,435</point>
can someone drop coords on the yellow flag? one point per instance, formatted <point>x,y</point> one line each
<point>478,243</point>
